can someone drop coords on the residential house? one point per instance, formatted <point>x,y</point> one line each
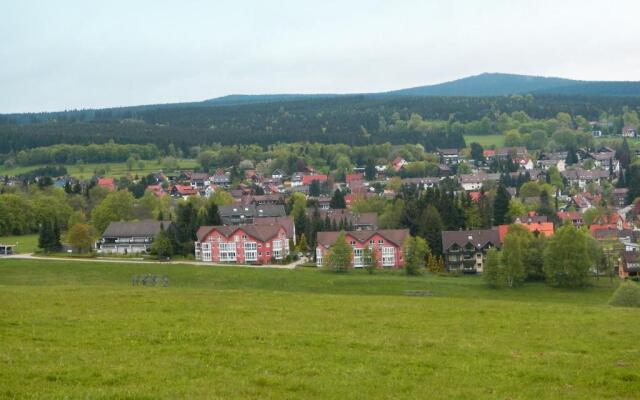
<point>620,197</point>
<point>130,237</point>
<point>277,175</point>
<point>575,217</point>
<point>398,163</point>
<point>199,180</point>
<point>466,251</point>
<point>582,177</point>
<point>449,156</point>
<point>605,159</point>
<point>531,217</point>
<point>386,242</point>
<point>240,214</point>
<point>265,199</point>
<point>546,164</point>
<point>629,131</point>
<point>157,190</point>
<point>629,265</point>
<point>474,182</point>
<point>107,183</point>
<point>297,178</point>
<point>422,183</point>
<point>537,228</point>
<point>347,219</point>
<point>183,191</point>
<point>221,178</point>
<point>354,179</point>
<point>307,179</point>
<point>246,244</point>
<point>489,155</point>
<point>505,153</point>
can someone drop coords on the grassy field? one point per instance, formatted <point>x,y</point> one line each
<point>485,140</point>
<point>80,330</point>
<point>117,170</point>
<point>25,243</point>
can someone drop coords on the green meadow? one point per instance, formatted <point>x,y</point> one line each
<point>81,330</point>
<point>24,243</point>
<point>485,141</point>
<point>117,170</point>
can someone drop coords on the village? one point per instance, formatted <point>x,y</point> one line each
<point>268,216</point>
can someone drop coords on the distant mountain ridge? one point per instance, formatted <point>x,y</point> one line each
<point>483,85</point>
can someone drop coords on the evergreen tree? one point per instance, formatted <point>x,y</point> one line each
<point>303,246</point>
<point>430,228</point>
<point>162,246</point>
<point>211,216</point>
<point>545,207</point>
<point>337,201</point>
<point>501,206</point>
<point>370,170</point>
<point>572,156</point>
<point>314,188</point>
<point>57,244</point>
<point>623,155</point>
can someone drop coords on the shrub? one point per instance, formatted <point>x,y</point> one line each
<point>627,295</point>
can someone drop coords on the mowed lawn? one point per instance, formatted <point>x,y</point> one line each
<point>24,243</point>
<point>117,170</point>
<point>485,140</point>
<point>81,330</point>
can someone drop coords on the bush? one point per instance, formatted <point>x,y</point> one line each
<point>627,295</point>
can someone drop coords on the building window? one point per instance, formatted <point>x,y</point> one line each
<point>250,251</point>
<point>206,252</point>
<point>277,249</point>
<point>380,242</point>
<point>353,242</point>
<point>388,256</point>
<point>358,260</point>
<point>227,251</point>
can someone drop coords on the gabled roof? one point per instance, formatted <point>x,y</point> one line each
<point>144,228</point>
<point>478,238</point>
<point>307,179</point>
<point>395,236</point>
<point>259,232</point>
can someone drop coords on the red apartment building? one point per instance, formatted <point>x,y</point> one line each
<point>246,244</point>
<point>387,242</point>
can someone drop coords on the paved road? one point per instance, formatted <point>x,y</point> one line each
<point>30,256</point>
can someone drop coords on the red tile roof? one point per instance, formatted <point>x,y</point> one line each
<point>307,179</point>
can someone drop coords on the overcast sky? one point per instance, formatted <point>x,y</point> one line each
<point>57,55</point>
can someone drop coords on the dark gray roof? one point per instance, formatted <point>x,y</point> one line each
<point>478,238</point>
<point>144,228</point>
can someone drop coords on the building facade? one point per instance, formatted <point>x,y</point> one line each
<point>246,244</point>
<point>466,251</point>
<point>134,237</point>
<point>386,242</point>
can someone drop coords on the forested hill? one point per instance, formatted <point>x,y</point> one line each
<point>483,85</point>
<point>352,120</point>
